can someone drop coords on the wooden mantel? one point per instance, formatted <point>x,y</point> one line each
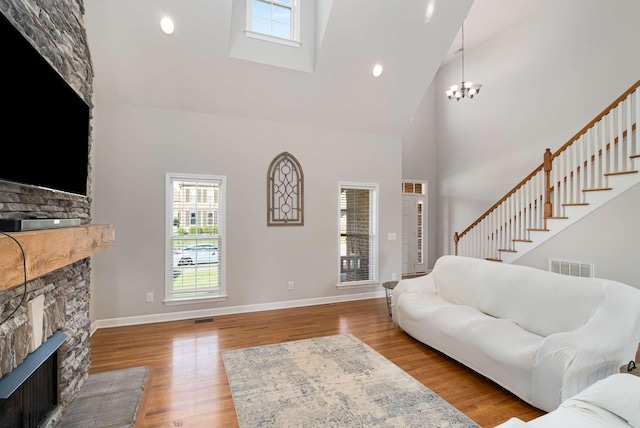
<point>49,249</point>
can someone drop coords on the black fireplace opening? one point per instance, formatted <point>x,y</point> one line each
<point>30,405</point>
<point>30,393</point>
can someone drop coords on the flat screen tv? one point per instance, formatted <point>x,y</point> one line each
<point>45,124</point>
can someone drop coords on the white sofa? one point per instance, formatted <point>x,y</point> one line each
<point>543,336</point>
<point>611,402</point>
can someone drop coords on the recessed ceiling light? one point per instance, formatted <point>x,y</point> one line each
<point>377,70</point>
<point>431,7</point>
<point>166,25</point>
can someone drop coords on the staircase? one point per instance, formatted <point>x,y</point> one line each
<point>592,168</point>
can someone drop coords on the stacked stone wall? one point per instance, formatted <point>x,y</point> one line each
<point>56,29</point>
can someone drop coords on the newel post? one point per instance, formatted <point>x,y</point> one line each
<point>548,208</point>
<point>456,238</point>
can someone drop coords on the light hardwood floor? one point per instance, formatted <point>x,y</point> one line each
<point>187,384</point>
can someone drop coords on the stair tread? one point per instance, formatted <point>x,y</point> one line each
<point>575,204</point>
<point>522,240</point>
<point>596,190</point>
<point>492,259</point>
<point>608,174</point>
<point>556,218</point>
<point>507,250</point>
<point>539,230</point>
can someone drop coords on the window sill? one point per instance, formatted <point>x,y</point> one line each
<point>360,284</point>
<point>273,39</point>
<point>195,300</point>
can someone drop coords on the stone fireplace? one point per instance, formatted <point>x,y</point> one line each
<point>66,309</point>
<point>56,29</point>
<point>52,303</point>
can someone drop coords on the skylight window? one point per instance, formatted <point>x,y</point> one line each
<point>274,21</point>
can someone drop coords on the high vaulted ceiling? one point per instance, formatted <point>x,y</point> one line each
<point>191,70</point>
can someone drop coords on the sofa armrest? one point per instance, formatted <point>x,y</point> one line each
<point>569,362</point>
<point>420,285</point>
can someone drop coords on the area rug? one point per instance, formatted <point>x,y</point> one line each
<point>332,381</point>
<point>107,399</point>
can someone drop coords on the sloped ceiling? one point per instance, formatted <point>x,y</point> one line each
<point>487,19</point>
<point>191,70</point>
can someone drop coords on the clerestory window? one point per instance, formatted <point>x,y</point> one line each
<point>274,21</point>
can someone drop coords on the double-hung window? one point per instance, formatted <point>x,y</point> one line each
<point>358,233</point>
<point>274,20</point>
<point>195,238</point>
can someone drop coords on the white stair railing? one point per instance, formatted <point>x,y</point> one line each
<point>605,147</point>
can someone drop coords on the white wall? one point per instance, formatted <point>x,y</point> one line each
<point>419,161</point>
<point>608,237</point>
<point>543,80</point>
<point>135,146</point>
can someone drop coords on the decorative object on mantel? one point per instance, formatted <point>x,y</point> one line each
<point>464,89</point>
<point>285,191</point>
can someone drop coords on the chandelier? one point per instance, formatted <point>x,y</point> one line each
<point>464,89</point>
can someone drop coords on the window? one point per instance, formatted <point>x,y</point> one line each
<point>274,20</point>
<point>189,195</point>
<point>195,241</point>
<point>411,188</point>
<point>419,234</point>
<point>358,233</point>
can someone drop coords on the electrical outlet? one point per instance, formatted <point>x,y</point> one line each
<point>290,285</point>
<point>149,297</point>
<point>393,277</point>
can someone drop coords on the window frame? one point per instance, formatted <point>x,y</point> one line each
<point>374,251</point>
<point>420,232</point>
<point>294,41</point>
<point>169,237</point>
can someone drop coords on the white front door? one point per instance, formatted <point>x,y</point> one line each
<point>414,211</point>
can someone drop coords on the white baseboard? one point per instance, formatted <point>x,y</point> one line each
<point>185,315</point>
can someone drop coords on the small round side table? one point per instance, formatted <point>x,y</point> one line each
<point>388,287</point>
<point>630,368</point>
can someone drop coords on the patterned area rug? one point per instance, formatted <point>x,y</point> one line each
<point>332,381</point>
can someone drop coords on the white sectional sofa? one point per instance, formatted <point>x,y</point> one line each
<point>613,402</point>
<point>543,336</point>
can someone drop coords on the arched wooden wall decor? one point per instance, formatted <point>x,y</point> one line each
<point>285,190</point>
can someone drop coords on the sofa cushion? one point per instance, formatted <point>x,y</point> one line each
<point>570,418</point>
<point>611,402</point>
<point>491,346</point>
<point>541,302</point>
<point>618,394</point>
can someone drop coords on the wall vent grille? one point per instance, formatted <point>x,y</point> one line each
<point>572,268</point>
